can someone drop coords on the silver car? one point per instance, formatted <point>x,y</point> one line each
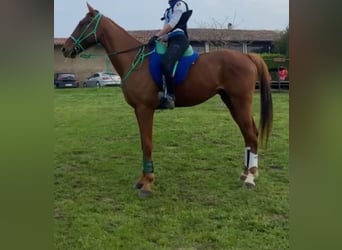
<point>103,79</point>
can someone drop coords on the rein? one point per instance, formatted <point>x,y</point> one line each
<point>127,50</point>
<point>138,59</point>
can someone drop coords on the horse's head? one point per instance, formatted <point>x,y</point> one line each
<point>84,35</point>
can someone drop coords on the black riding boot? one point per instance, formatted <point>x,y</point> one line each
<point>170,92</point>
<point>166,95</point>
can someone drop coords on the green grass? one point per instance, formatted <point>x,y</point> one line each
<point>198,200</point>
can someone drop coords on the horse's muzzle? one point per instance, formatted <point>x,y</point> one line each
<point>72,53</point>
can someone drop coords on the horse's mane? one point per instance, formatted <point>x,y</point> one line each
<point>113,22</point>
<point>119,27</point>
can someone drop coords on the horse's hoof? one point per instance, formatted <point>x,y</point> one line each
<point>138,185</point>
<point>249,185</point>
<point>145,194</point>
<point>249,181</point>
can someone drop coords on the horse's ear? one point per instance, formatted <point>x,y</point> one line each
<point>91,9</point>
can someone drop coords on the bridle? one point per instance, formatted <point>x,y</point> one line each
<point>96,19</point>
<point>78,46</point>
<point>138,60</point>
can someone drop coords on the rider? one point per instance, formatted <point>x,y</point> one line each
<point>175,30</point>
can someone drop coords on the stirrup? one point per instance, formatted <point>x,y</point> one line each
<point>166,101</point>
<point>170,103</point>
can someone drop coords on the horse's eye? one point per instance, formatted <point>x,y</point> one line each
<point>82,22</point>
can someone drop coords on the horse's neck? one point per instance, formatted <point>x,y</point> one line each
<point>115,39</point>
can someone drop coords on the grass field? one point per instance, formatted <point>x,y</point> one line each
<point>198,200</point>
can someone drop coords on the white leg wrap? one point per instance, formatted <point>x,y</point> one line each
<point>251,159</point>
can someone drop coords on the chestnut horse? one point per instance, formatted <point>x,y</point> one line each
<point>231,74</point>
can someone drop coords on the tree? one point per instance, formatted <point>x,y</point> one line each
<point>282,45</point>
<point>219,31</point>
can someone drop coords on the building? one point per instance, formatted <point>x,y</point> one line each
<point>202,40</point>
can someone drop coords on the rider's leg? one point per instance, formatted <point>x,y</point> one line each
<point>176,48</point>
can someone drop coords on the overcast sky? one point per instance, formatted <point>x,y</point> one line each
<point>145,14</point>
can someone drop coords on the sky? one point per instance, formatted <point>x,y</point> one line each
<point>145,14</point>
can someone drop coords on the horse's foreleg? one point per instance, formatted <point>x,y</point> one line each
<point>144,117</point>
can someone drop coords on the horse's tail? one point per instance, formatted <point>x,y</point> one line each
<point>266,105</point>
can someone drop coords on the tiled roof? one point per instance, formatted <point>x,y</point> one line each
<point>233,35</point>
<point>59,41</point>
<point>208,35</point>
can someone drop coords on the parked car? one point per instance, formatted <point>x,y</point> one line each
<point>65,80</point>
<point>102,79</point>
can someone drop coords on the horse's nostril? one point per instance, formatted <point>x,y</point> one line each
<point>63,49</point>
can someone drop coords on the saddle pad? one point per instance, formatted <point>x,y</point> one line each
<point>183,65</point>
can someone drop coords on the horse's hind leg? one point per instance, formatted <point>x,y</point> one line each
<point>144,117</point>
<point>241,110</point>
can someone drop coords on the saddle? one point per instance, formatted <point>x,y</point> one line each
<point>180,69</point>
